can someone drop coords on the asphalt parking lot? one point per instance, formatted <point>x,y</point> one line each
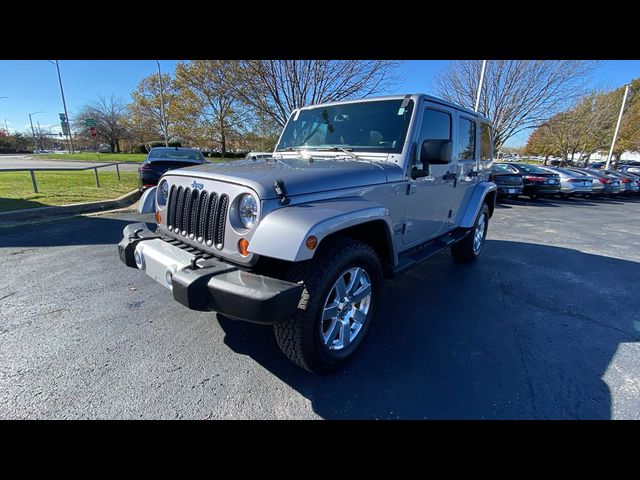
<point>545,326</point>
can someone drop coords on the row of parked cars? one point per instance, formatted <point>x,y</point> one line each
<point>514,179</point>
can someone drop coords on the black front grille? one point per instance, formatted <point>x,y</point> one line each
<point>198,215</point>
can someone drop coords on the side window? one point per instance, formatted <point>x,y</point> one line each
<point>485,142</point>
<point>436,125</point>
<point>466,139</point>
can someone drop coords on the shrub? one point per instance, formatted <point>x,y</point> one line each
<point>139,148</point>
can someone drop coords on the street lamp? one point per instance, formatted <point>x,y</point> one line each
<point>164,119</point>
<point>64,104</point>
<point>5,121</point>
<point>33,132</point>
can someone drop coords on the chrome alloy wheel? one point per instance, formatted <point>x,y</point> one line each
<point>478,236</point>
<point>346,308</point>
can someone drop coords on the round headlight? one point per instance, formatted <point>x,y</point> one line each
<point>248,210</point>
<point>162,193</point>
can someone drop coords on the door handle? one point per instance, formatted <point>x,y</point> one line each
<point>451,176</point>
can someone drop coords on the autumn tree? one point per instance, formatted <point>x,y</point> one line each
<point>539,143</point>
<point>109,116</point>
<point>274,88</point>
<point>629,134</point>
<point>145,111</point>
<point>205,110</point>
<point>584,128</point>
<point>516,94</point>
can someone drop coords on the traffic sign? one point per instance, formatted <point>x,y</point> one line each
<point>93,131</point>
<point>89,122</point>
<point>63,117</point>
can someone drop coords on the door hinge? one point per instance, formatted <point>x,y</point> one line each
<point>407,227</point>
<point>411,188</point>
<point>450,213</point>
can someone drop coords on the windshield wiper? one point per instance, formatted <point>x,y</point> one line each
<point>335,149</point>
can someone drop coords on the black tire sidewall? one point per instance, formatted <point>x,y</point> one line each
<point>340,356</point>
<point>484,211</point>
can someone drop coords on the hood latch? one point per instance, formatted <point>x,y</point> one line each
<point>278,186</point>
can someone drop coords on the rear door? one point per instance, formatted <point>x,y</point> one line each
<point>466,156</point>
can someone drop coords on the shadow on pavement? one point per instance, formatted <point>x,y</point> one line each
<point>79,230</point>
<point>526,332</point>
<point>8,204</point>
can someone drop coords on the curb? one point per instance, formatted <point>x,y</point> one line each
<point>30,213</point>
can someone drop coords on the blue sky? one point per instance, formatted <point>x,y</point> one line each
<point>32,85</point>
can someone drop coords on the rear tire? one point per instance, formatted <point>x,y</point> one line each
<point>314,338</point>
<point>469,248</point>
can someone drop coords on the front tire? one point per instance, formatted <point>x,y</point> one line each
<point>343,284</point>
<point>469,248</point>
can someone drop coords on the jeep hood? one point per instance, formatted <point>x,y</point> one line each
<point>299,175</point>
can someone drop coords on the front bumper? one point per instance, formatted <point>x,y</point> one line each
<point>209,284</point>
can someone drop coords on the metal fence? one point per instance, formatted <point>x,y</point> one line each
<point>61,169</point>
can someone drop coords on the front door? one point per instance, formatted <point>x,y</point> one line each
<point>429,198</point>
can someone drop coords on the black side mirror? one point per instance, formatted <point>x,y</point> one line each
<point>436,152</point>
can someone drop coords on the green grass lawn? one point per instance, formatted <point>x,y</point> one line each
<point>95,157</point>
<point>61,188</point>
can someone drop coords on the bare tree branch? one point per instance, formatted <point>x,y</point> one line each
<point>516,94</point>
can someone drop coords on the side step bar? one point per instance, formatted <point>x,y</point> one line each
<point>422,252</point>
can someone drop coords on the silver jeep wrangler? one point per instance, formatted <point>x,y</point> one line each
<point>356,191</point>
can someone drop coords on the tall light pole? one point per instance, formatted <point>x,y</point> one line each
<point>615,134</point>
<point>164,119</point>
<point>40,136</point>
<point>484,65</point>
<point>64,104</point>
<point>33,132</point>
<point>5,121</point>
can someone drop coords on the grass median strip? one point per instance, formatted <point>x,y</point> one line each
<point>62,188</point>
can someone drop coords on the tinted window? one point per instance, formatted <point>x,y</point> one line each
<point>485,142</point>
<point>501,168</point>
<point>436,125</point>
<point>466,139</point>
<point>379,126</point>
<point>173,154</point>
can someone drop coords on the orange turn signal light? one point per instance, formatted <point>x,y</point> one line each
<point>311,242</point>
<point>243,247</point>
<point>158,217</point>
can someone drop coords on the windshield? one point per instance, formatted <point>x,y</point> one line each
<point>376,126</point>
<point>173,154</point>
